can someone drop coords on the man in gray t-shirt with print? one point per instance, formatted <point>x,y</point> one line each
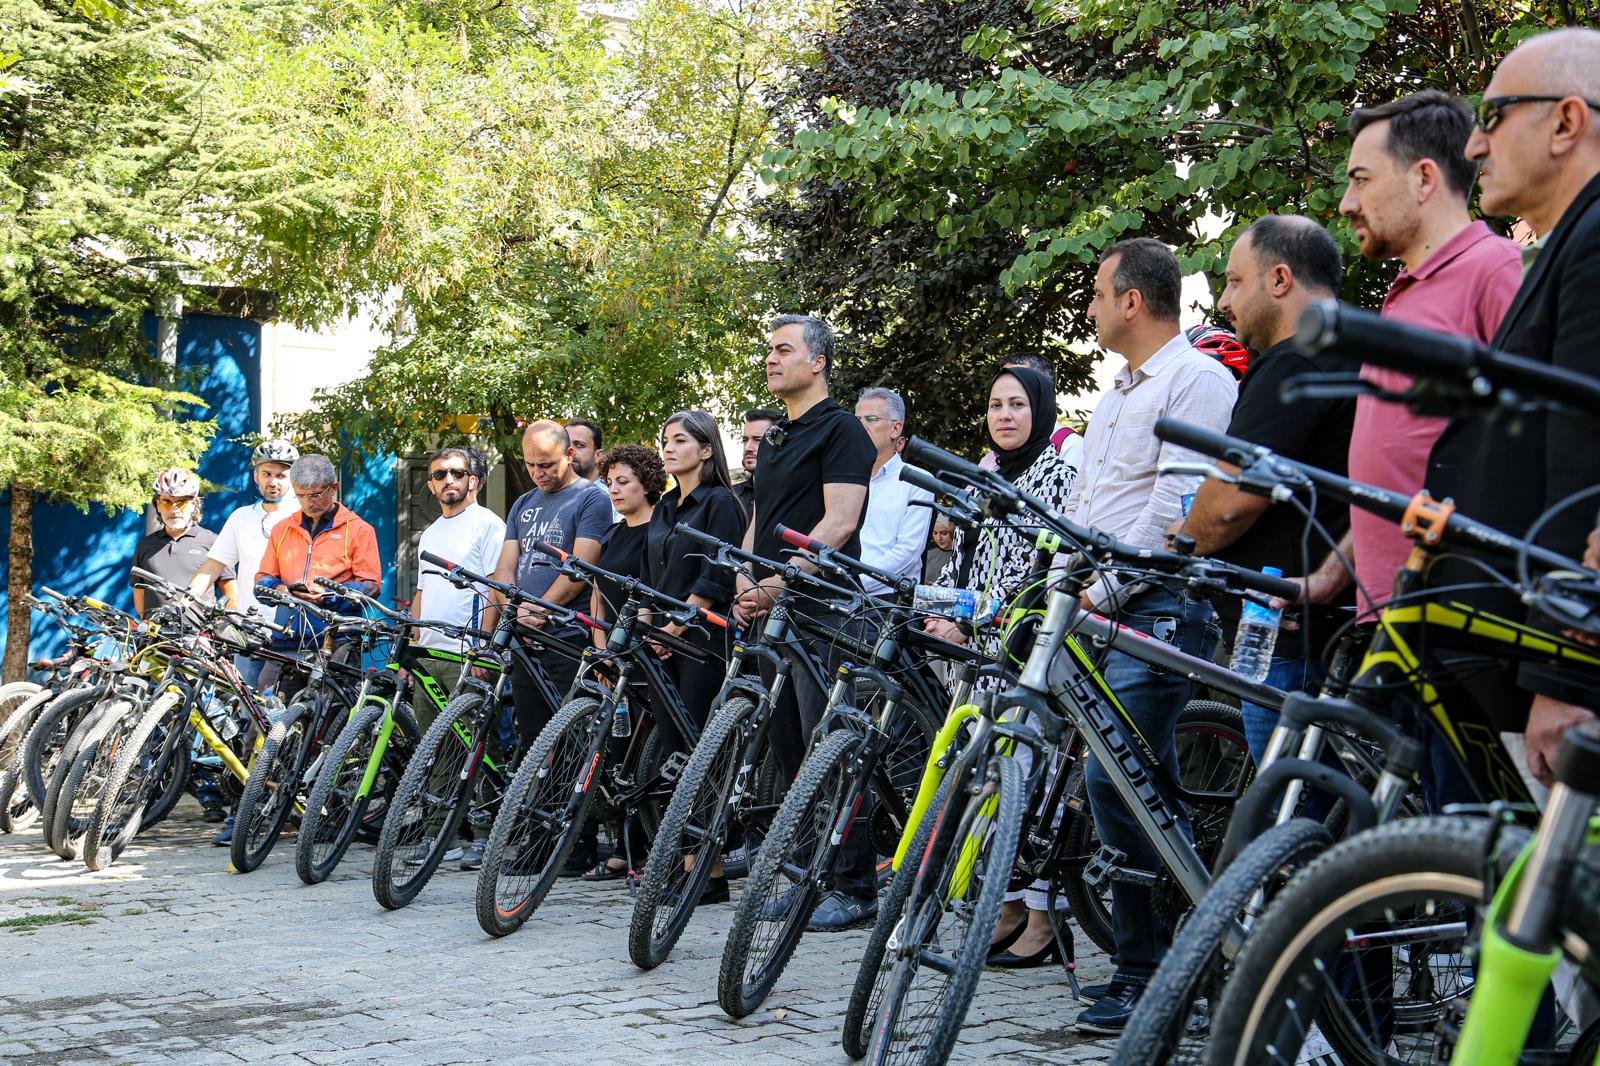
<point>569,513</point>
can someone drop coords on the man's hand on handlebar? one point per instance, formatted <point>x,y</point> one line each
<point>944,629</point>
<point>312,593</point>
<point>755,600</point>
<point>1548,721</point>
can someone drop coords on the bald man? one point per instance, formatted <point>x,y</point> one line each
<point>564,510</point>
<point>1537,145</point>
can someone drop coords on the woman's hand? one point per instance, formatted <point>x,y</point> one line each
<point>671,629</point>
<point>944,630</point>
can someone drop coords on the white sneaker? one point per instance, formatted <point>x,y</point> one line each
<point>1316,1051</point>
<point>453,855</point>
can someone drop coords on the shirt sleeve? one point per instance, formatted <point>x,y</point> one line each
<point>365,565</point>
<point>1496,294</point>
<point>848,455</point>
<point>910,539</point>
<point>594,518</point>
<point>491,542</point>
<point>724,519</point>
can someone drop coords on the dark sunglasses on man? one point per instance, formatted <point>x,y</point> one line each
<point>1493,108</point>
<point>449,472</point>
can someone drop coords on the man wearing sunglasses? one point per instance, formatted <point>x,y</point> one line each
<point>465,532</point>
<point>1537,146</point>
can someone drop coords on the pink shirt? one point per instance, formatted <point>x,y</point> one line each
<point>1464,288</point>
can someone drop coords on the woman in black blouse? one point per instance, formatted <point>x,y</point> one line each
<point>702,499</point>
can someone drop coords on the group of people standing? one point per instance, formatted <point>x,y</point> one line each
<point>1533,146</point>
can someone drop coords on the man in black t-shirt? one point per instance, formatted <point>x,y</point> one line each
<point>1278,265</point>
<point>815,464</point>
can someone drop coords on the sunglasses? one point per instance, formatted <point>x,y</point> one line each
<point>1492,109</point>
<point>440,475</point>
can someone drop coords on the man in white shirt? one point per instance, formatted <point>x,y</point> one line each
<point>895,529</point>
<point>1121,491</point>
<point>467,533</point>
<point>243,540</point>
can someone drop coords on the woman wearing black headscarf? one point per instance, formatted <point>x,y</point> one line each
<point>998,563</point>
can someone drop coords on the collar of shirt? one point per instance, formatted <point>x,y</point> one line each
<point>890,471</point>
<point>1127,378</point>
<point>1445,254</point>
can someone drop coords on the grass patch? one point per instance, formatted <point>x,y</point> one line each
<point>25,922</point>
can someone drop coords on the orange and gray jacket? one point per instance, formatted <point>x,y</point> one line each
<point>339,546</point>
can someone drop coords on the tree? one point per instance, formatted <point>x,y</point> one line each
<point>1072,125</point>
<point>559,221</point>
<point>114,145</point>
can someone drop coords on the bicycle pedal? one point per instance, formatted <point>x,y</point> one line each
<point>673,767</point>
<point>1108,865</point>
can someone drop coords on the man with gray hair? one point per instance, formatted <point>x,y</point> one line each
<point>895,528</point>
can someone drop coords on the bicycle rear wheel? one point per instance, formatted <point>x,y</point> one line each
<point>62,834</point>
<point>86,779</point>
<point>17,809</point>
<point>785,882</point>
<point>541,817</point>
<point>952,914</point>
<point>690,839</point>
<point>428,805</point>
<point>50,731</point>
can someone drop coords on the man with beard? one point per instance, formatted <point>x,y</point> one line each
<point>177,549</point>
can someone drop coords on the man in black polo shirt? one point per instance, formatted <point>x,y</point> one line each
<point>1278,265</point>
<point>815,464</point>
<point>179,544</point>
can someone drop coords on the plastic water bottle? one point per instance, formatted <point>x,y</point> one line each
<point>966,605</point>
<point>1257,636</point>
<point>621,720</point>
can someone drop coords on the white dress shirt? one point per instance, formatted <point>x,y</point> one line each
<point>1118,489</point>
<point>894,534</point>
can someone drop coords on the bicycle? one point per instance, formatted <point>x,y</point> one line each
<point>444,774</point>
<point>568,768</point>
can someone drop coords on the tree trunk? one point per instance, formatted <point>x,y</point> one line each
<point>19,616</point>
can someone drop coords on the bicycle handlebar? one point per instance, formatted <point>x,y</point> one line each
<point>838,560</point>
<point>511,592</point>
<point>689,611</point>
<point>726,552</point>
<point>1366,337</point>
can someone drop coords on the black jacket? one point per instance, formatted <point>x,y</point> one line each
<point>1508,479</point>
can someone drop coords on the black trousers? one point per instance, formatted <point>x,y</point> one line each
<point>532,711</point>
<point>698,684</point>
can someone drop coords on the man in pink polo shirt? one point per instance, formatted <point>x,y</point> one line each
<point>1407,200</point>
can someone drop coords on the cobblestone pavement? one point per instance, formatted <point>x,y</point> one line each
<point>168,958</point>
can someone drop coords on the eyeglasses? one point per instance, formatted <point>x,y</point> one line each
<point>872,420</point>
<point>440,475</point>
<point>1493,108</point>
<point>776,434</point>
<point>315,497</point>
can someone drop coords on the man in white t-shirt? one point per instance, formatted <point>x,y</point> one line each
<point>243,539</point>
<point>466,533</point>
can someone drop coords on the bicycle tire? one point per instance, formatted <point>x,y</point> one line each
<point>17,809</point>
<point>752,964</point>
<point>56,819</point>
<point>702,795</point>
<point>541,816</point>
<point>119,814</point>
<point>1155,1031</point>
<point>427,806</point>
<point>49,731</point>
<point>81,786</point>
<point>328,826</point>
<point>995,838</point>
<point>173,776</point>
<point>270,790</point>
<point>1441,856</point>
<point>872,975</point>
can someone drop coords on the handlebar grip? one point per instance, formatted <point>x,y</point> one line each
<point>715,619</point>
<point>1256,581</point>
<point>48,591</point>
<point>1367,337</point>
<point>429,557</point>
<point>551,549</point>
<point>98,605</point>
<point>799,540</point>
<point>590,622</point>
<point>919,452</point>
<point>343,590</point>
<point>148,576</point>
<point>915,475</point>
<point>1207,441</point>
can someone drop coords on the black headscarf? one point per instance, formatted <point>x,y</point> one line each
<point>1014,462</point>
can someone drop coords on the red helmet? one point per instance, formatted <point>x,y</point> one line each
<point>1221,345</point>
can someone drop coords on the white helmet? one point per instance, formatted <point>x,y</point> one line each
<point>176,481</point>
<point>274,451</point>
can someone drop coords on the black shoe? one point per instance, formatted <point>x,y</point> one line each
<point>999,947</point>
<point>777,908</point>
<point>213,814</point>
<point>1092,994</point>
<point>1006,960</point>
<point>1109,1016</point>
<point>577,865</point>
<point>472,855</point>
<point>840,911</point>
<point>715,891</point>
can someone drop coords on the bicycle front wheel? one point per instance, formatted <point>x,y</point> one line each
<point>17,809</point>
<point>541,816</point>
<point>271,790</point>
<point>119,815</point>
<point>949,920</point>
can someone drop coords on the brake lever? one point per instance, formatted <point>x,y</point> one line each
<point>1207,470</point>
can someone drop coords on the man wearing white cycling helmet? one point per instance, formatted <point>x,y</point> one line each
<point>243,539</point>
<point>179,546</point>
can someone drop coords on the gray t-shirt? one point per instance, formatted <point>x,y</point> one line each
<point>174,558</point>
<point>580,510</point>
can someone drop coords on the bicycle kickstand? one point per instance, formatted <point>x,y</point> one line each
<point>1064,943</point>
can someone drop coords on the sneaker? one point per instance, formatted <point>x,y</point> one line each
<point>1109,1016</point>
<point>213,813</point>
<point>840,911</point>
<point>777,908</point>
<point>1092,994</point>
<point>472,859</point>
<point>225,838</point>
<point>452,855</point>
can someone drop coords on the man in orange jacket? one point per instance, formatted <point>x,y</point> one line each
<point>329,540</point>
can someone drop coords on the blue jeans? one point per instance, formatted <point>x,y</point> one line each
<point>1289,673</point>
<point>1153,698</point>
<point>249,669</point>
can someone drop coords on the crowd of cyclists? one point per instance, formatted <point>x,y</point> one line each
<point>1277,681</point>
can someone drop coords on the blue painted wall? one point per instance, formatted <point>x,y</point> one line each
<point>219,359</point>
